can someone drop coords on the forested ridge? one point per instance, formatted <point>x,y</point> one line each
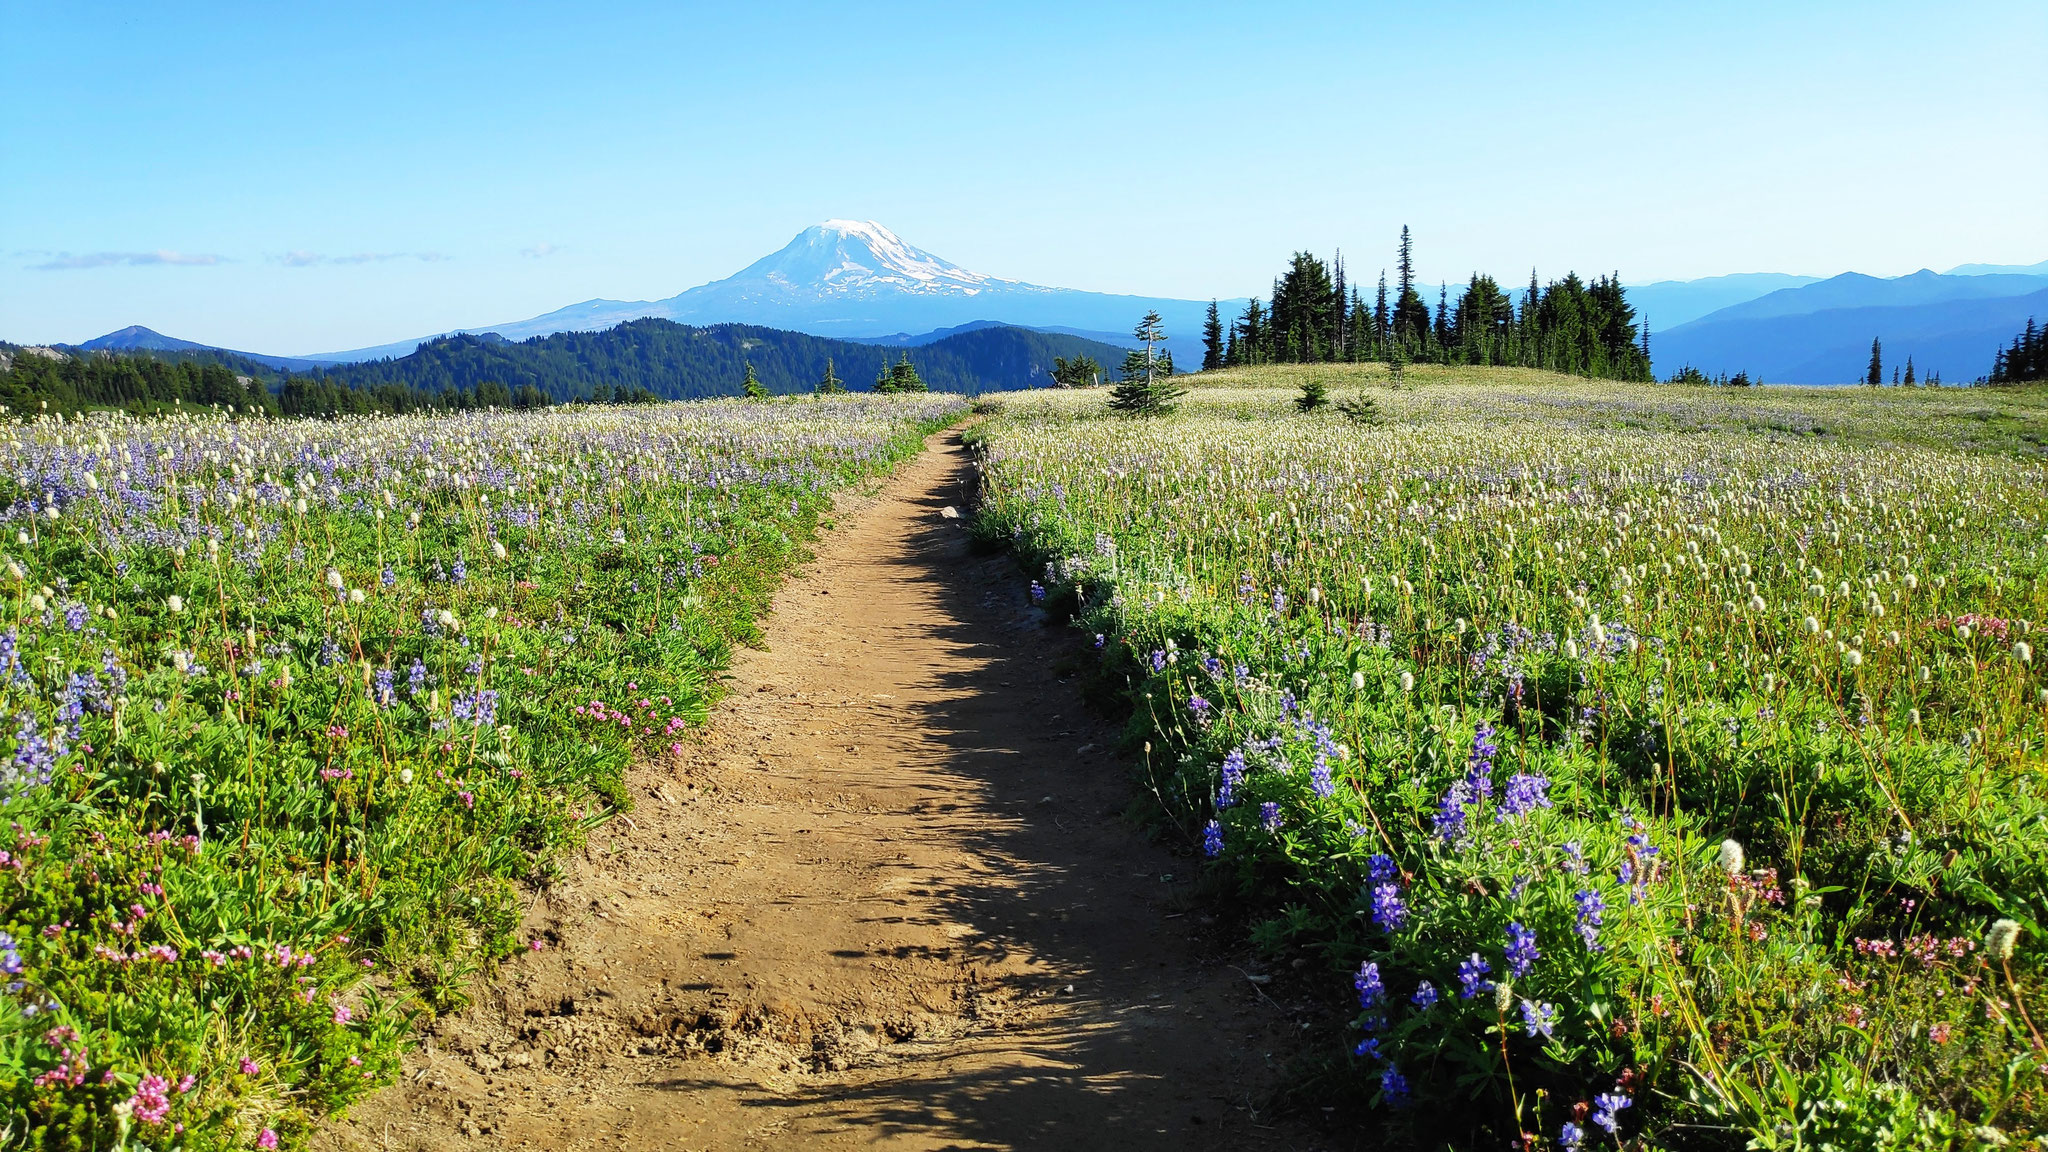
<point>635,362</point>
<point>681,362</point>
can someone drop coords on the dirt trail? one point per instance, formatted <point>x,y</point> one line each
<point>887,900</point>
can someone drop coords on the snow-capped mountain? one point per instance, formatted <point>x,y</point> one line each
<point>857,279</point>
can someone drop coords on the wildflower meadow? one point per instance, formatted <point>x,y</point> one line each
<point>1644,765</point>
<point>297,705</point>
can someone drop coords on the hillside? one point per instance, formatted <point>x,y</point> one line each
<point>147,341</point>
<point>680,362</point>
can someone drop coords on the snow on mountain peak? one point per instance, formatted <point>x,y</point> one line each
<point>858,258</point>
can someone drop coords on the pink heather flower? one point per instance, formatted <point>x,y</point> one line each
<point>152,1101</point>
<point>250,1067</point>
<point>186,1082</point>
<point>266,1139</point>
<point>341,1015</point>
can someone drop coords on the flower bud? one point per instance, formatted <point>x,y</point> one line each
<point>175,603</point>
<point>1729,858</point>
<point>1999,942</point>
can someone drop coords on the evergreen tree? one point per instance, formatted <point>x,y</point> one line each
<point>1876,374</point>
<point>901,377</point>
<point>2024,361</point>
<point>1212,340</point>
<point>1910,381</point>
<point>1380,318</point>
<point>752,387</point>
<point>1442,330</point>
<point>1360,409</point>
<point>1080,372</point>
<point>1411,315</point>
<point>1252,332</point>
<point>1304,311</point>
<point>830,384</point>
<point>1314,393</point>
<point>1340,335</point>
<point>1147,388</point>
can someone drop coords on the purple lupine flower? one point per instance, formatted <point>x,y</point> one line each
<point>1570,1137</point>
<point>382,691</point>
<point>1367,982</point>
<point>1233,775</point>
<point>1319,779</point>
<point>1389,911</point>
<point>1450,811</point>
<point>416,679</point>
<point>1199,709</point>
<point>1380,866</point>
<point>34,757</point>
<point>1574,857</point>
<point>75,616</point>
<point>1521,950</point>
<point>1425,996</point>
<point>1158,660</point>
<point>1269,816</point>
<point>389,577</point>
<point>1472,977</point>
<point>1479,763</point>
<point>461,573</point>
<point>1539,1018</point>
<point>1037,592</point>
<point>1212,839</point>
<point>1607,1105</point>
<point>1586,922</point>
<point>1368,1047</point>
<point>1394,1088</point>
<point>1525,793</point>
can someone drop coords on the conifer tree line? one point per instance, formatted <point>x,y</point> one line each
<point>2026,360</point>
<point>1317,313</point>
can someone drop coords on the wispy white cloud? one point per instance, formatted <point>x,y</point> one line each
<point>299,258</point>
<point>67,261</point>
<point>540,250</point>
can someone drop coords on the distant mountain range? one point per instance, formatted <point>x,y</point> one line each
<point>684,362</point>
<point>856,280</point>
<point>1820,332</point>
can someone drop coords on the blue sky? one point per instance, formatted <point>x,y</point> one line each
<point>288,180</point>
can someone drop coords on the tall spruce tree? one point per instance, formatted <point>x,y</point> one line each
<point>1212,339</point>
<point>1876,374</point>
<point>1147,388</point>
<point>1340,337</point>
<point>1910,380</point>
<point>751,387</point>
<point>1380,319</point>
<point>830,384</point>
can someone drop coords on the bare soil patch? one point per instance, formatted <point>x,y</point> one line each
<point>886,899</point>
